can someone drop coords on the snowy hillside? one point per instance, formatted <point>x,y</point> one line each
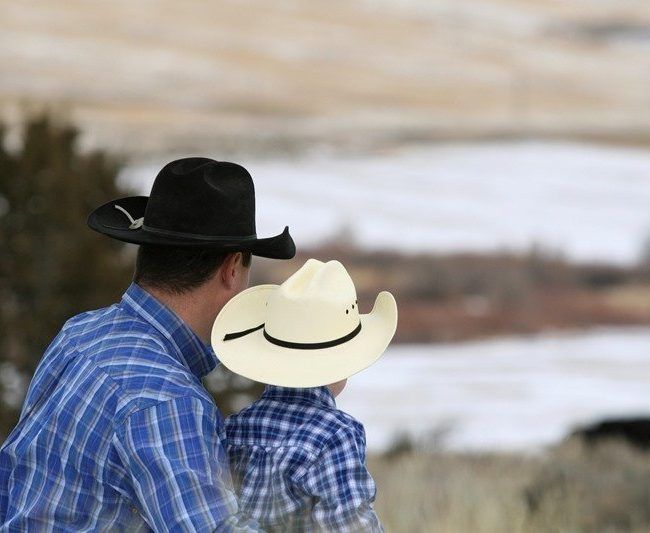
<point>588,202</point>
<point>509,394</point>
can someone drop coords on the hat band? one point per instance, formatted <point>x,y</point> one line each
<point>296,345</point>
<point>197,236</point>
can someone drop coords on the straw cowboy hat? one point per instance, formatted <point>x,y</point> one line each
<point>196,202</point>
<point>306,332</point>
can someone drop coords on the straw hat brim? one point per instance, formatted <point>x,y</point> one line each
<point>254,357</point>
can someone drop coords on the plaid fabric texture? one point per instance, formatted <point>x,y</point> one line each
<point>299,463</point>
<point>117,432</point>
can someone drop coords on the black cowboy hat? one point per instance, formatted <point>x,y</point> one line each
<point>195,202</point>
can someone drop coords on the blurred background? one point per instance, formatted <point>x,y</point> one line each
<point>488,161</point>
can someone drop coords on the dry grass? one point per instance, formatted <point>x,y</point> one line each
<point>630,298</point>
<point>177,77</point>
<point>573,488</point>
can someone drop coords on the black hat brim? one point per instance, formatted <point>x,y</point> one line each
<point>110,221</point>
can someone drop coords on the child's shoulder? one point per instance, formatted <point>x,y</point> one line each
<point>331,422</point>
<point>289,424</point>
<point>347,421</point>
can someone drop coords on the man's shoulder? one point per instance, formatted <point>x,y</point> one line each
<point>113,338</point>
<point>132,353</point>
<point>107,325</point>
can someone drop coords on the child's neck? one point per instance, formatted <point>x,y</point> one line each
<point>336,388</point>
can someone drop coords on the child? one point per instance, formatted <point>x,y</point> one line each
<point>297,461</point>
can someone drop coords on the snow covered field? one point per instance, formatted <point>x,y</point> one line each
<point>510,394</point>
<point>592,203</point>
<point>589,202</point>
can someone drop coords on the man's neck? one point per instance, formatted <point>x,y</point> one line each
<point>194,308</point>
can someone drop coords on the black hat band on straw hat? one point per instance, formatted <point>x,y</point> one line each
<point>295,345</point>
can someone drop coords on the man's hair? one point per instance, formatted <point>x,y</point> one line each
<point>177,270</point>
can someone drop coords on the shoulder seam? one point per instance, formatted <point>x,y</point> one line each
<point>158,403</point>
<point>325,446</point>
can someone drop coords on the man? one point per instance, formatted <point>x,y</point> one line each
<point>117,431</point>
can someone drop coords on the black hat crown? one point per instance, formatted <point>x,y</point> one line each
<point>221,195</point>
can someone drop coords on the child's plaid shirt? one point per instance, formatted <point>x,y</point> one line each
<point>299,463</point>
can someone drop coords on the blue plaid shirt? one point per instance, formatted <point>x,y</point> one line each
<point>299,463</point>
<point>117,432</point>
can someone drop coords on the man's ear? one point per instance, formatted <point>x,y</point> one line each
<point>229,269</point>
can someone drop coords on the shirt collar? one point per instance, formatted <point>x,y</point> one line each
<point>319,396</point>
<point>189,348</point>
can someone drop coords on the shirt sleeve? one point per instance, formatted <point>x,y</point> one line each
<point>342,489</point>
<point>178,468</point>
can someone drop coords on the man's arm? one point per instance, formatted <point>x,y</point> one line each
<point>178,467</point>
<point>341,486</point>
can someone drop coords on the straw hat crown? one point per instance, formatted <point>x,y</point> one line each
<point>317,304</point>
